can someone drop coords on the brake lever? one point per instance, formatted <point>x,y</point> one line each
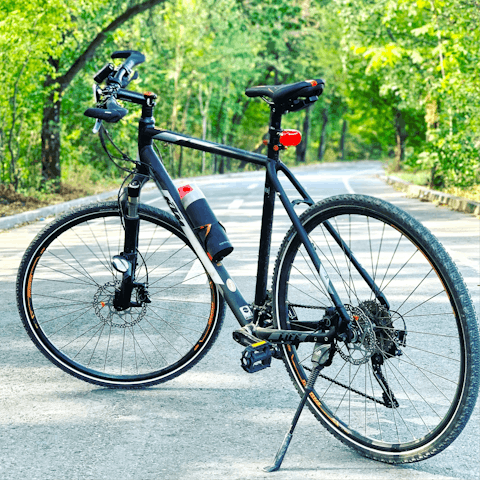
<point>127,80</point>
<point>97,126</point>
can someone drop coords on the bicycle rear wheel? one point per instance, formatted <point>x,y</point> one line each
<point>65,290</point>
<point>405,389</point>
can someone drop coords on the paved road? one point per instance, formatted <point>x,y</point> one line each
<point>214,421</point>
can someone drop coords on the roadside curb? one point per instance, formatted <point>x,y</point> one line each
<point>415,191</point>
<point>424,194</point>
<point>14,220</point>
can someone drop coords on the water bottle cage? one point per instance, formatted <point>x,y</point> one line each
<point>208,227</point>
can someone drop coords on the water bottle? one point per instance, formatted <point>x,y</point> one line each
<point>208,229</point>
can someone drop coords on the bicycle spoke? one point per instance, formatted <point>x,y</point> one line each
<point>73,294</point>
<point>402,400</point>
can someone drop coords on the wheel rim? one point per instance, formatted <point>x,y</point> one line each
<point>70,274</point>
<point>428,391</point>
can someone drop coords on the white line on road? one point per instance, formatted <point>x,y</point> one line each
<point>236,204</point>
<point>252,186</point>
<point>346,182</point>
<point>153,201</point>
<point>194,276</point>
<point>346,179</point>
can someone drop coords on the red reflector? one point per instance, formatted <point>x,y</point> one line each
<point>184,190</point>
<point>290,138</point>
<point>313,83</point>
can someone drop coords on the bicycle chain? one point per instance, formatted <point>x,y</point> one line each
<point>354,390</point>
<point>363,328</point>
<point>306,306</point>
<point>358,392</point>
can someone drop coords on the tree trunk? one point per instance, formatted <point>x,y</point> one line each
<point>204,136</point>
<point>204,107</point>
<point>323,135</point>
<point>51,109</point>
<point>401,136</point>
<point>258,149</point>
<point>182,129</point>
<point>342,140</point>
<point>180,161</point>
<point>51,138</point>
<point>301,149</point>
<point>221,166</point>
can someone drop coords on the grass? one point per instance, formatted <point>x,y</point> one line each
<point>422,177</point>
<point>12,202</point>
<point>85,182</point>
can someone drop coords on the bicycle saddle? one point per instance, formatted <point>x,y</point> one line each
<point>281,94</point>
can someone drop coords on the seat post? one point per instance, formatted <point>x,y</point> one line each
<point>274,132</point>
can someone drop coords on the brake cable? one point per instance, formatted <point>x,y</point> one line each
<point>124,157</point>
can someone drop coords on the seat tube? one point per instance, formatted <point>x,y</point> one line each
<point>264,247</point>
<point>267,213</point>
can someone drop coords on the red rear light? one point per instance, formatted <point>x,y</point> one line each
<point>290,138</point>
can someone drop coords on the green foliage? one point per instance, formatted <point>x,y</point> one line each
<point>424,57</point>
<point>403,75</point>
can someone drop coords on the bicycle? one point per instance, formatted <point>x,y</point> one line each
<point>367,310</point>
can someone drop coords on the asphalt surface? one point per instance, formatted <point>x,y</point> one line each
<point>215,421</point>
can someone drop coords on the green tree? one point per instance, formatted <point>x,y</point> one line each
<point>63,38</point>
<point>424,56</point>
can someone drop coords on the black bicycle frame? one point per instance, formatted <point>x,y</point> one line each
<point>219,275</point>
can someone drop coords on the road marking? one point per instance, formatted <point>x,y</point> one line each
<point>236,204</point>
<point>153,201</point>
<point>194,276</point>
<point>460,257</point>
<point>252,186</point>
<point>346,182</point>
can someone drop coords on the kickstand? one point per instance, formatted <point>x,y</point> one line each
<point>319,355</point>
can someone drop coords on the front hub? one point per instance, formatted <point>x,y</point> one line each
<point>110,314</point>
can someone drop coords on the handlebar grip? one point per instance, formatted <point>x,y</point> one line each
<point>111,114</point>
<point>133,58</point>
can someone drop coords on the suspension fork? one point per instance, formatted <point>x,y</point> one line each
<point>126,262</point>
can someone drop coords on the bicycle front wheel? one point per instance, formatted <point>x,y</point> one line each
<point>65,290</point>
<point>405,388</point>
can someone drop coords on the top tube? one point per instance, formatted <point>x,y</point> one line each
<point>206,146</point>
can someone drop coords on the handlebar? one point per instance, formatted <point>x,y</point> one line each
<point>112,112</point>
<point>116,79</point>
<point>132,57</point>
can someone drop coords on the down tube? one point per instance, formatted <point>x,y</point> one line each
<point>218,273</point>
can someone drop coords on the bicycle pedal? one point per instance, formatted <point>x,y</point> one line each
<point>257,357</point>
